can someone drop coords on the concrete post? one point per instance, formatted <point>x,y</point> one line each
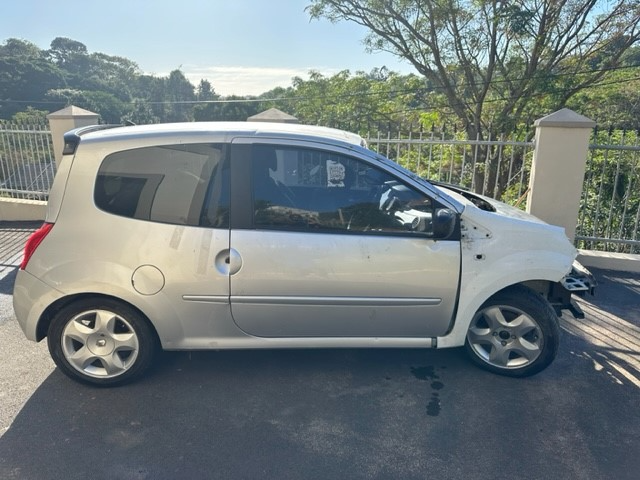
<point>557,173</point>
<point>62,121</point>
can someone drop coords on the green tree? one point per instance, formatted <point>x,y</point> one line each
<point>360,101</point>
<point>64,50</point>
<point>25,76</point>
<point>614,101</point>
<point>151,91</point>
<point>232,109</point>
<point>205,92</point>
<point>492,61</point>
<point>30,116</point>
<point>180,96</point>
<point>140,114</point>
<point>95,71</point>
<point>205,111</point>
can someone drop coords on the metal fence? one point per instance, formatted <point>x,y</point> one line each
<point>497,168</point>
<point>27,163</point>
<point>609,216</point>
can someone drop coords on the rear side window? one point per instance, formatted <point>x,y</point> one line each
<point>177,184</point>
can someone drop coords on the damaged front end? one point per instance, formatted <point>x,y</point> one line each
<point>579,281</point>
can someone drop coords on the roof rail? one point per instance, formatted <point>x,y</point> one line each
<point>72,137</point>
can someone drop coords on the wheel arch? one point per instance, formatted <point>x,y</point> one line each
<point>466,310</point>
<point>515,333</point>
<point>50,312</point>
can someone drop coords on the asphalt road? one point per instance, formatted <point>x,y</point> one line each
<point>398,414</point>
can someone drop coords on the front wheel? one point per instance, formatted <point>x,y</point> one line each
<point>514,333</point>
<point>101,342</point>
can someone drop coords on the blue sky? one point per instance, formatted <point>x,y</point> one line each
<point>243,47</point>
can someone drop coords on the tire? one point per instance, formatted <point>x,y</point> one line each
<point>515,333</point>
<point>101,342</point>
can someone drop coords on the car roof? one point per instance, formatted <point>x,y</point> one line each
<point>255,129</point>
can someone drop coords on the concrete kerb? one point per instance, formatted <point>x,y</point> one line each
<point>18,210</point>
<point>621,262</point>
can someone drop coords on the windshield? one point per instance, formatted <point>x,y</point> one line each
<point>399,168</point>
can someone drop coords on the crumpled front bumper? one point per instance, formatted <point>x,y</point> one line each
<point>579,281</point>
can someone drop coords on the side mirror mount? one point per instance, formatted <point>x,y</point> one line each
<point>444,223</point>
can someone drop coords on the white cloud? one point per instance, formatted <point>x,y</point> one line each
<point>230,80</point>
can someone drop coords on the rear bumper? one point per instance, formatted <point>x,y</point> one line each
<point>31,297</point>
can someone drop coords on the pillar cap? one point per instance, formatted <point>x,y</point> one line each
<point>72,112</point>
<point>273,115</point>
<point>565,118</point>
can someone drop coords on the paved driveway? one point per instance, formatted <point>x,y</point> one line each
<point>333,413</point>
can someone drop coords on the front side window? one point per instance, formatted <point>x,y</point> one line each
<point>177,184</point>
<point>315,190</point>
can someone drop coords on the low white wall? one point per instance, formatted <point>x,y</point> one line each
<point>14,210</point>
<point>622,262</point>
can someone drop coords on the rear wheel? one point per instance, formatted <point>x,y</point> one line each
<point>101,342</point>
<point>515,333</point>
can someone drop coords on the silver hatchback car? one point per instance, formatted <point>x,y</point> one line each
<point>256,235</point>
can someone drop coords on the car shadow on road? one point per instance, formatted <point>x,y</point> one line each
<point>7,279</point>
<point>610,334</point>
<point>231,414</point>
<point>351,413</point>
<point>321,414</point>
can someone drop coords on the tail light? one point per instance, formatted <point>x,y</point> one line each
<point>32,243</point>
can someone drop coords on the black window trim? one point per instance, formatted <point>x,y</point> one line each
<point>203,196</point>
<point>242,215</point>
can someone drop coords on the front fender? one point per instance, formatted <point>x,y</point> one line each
<point>483,277</point>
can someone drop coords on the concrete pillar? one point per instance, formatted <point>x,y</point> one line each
<point>557,173</point>
<point>273,115</point>
<point>62,121</point>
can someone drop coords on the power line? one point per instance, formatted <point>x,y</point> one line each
<point>386,92</point>
<point>360,94</point>
<point>433,108</point>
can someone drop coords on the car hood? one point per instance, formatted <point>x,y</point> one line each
<point>486,203</point>
<point>510,228</point>
<point>512,212</point>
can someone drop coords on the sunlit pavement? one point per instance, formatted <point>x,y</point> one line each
<point>331,413</point>
<point>23,365</point>
<point>612,329</point>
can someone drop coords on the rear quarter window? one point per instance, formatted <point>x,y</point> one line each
<point>177,184</point>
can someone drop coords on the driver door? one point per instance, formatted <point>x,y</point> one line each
<point>335,247</point>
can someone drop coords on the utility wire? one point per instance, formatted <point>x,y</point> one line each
<point>426,90</point>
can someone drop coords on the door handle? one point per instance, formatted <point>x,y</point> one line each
<point>228,261</point>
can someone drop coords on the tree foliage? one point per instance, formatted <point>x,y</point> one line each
<point>378,100</point>
<point>615,100</point>
<point>491,60</point>
<point>67,73</point>
<point>30,116</point>
<point>26,74</point>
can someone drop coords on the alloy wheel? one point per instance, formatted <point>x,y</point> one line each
<point>100,343</point>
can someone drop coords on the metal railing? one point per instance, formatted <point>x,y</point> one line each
<point>27,163</point>
<point>609,216</point>
<point>498,168</point>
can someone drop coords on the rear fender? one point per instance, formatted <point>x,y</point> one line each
<point>159,308</point>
